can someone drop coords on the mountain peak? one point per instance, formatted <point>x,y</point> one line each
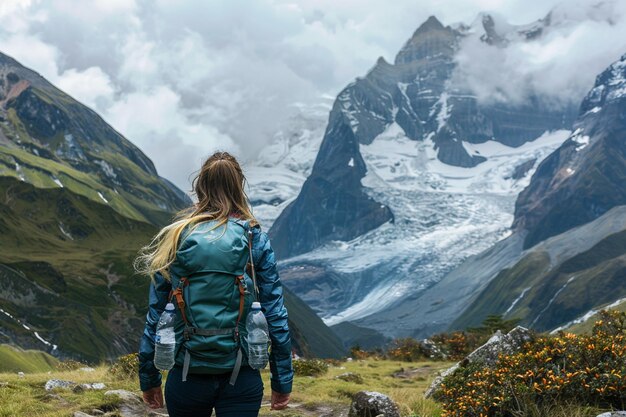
<point>609,86</point>
<point>431,38</point>
<point>432,23</point>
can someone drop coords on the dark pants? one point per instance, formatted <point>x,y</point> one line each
<point>200,394</point>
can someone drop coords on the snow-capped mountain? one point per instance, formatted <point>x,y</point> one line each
<point>585,176</point>
<point>413,175</point>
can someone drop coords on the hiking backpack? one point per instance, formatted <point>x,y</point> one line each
<point>213,294</point>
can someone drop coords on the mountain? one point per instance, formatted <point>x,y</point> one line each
<point>413,175</point>
<point>416,96</point>
<point>571,220</point>
<point>77,201</point>
<point>50,140</point>
<point>584,178</point>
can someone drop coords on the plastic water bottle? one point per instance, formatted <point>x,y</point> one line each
<point>165,341</point>
<point>256,326</point>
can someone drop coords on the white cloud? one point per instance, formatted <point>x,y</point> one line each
<point>560,67</point>
<point>161,128</point>
<point>91,87</point>
<point>32,52</point>
<point>181,79</point>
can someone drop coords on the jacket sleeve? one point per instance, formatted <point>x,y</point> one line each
<point>149,376</point>
<point>272,304</point>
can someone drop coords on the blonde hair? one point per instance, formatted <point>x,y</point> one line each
<point>220,190</point>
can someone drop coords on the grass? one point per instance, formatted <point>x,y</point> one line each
<point>81,293</point>
<point>328,391</point>
<point>26,396</point>
<point>13,359</point>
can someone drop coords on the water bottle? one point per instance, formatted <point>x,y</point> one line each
<point>256,326</point>
<point>165,341</point>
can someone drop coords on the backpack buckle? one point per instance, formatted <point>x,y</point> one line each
<point>188,332</point>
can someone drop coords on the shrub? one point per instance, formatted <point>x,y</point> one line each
<point>585,370</point>
<point>407,349</point>
<point>360,354</point>
<point>70,365</point>
<point>126,366</point>
<point>310,367</point>
<point>333,362</point>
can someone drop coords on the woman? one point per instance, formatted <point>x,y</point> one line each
<point>196,385</point>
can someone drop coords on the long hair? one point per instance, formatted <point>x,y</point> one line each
<point>219,188</point>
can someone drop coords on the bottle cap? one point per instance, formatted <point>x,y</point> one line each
<point>170,307</point>
<point>256,305</point>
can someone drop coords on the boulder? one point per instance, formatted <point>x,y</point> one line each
<point>350,377</point>
<point>372,404</point>
<point>507,344</point>
<point>77,388</point>
<point>488,354</point>
<point>432,350</point>
<point>613,414</point>
<point>131,405</point>
<point>58,383</point>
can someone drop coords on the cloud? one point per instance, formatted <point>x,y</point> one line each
<point>182,79</point>
<point>583,38</point>
<point>91,87</point>
<point>177,145</point>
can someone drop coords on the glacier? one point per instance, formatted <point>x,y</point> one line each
<point>443,214</point>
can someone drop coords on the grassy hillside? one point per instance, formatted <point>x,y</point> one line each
<point>50,140</point>
<point>13,359</point>
<point>554,294</point>
<point>66,273</point>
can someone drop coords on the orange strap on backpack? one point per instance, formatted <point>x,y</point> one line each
<point>180,299</point>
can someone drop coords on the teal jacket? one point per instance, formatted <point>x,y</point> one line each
<point>272,304</point>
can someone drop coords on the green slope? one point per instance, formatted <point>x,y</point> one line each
<point>66,272</point>
<point>14,359</point>
<point>51,140</point>
<point>555,294</point>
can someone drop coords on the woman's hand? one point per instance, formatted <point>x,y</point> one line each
<point>279,401</point>
<point>154,397</point>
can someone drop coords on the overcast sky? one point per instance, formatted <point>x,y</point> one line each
<point>182,78</point>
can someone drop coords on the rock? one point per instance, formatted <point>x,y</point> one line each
<point>432,350</point>
<point>350,377</point>
<point>77,388</point>
<point>507,344</point>
<point>434,386</point>
<point>20,374</point>
<point>411,373</point>
<point>95,386</point>
<point>132,405</point>
<point>372,404</point>
<point>87,369</point>
<point>488,353</point>
<point>97,412</point>
<point>58,383</point>
<point>81,414</point>
<point>613,414</point>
